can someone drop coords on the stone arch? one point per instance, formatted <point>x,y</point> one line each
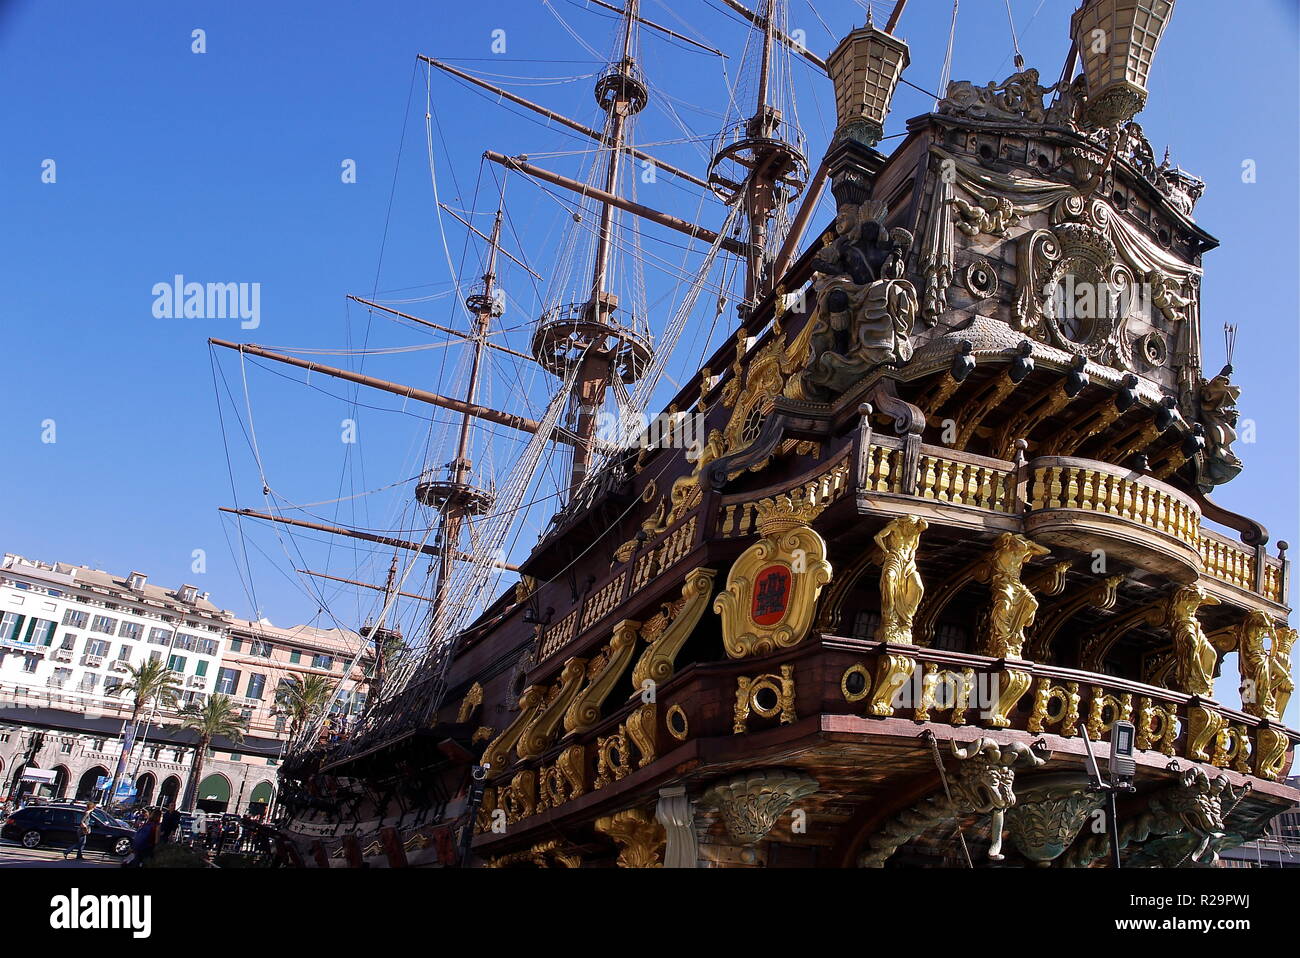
<point>144,788</point>
<point>61,782</point>
<point>213,794</point>
<point>169,792</point>
<point>86,790</point>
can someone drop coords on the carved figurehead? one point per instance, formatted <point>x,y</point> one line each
<point>1280,673</point>
<point>1219,416</point>
<point>865,309</point>
<point>1195,653</point>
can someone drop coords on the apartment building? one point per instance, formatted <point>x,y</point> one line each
<point>69,636</point>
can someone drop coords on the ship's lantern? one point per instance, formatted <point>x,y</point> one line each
<point>865,68</point>
<point>1117,41</point>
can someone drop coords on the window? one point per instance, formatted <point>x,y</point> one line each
<point>176,663</point>
<point>272,761</point>
<point>69,641</point>
<point>60,677</point>
<point>227,681</point>
<point>295,657</point>
<point>124,653</point>
<point>206,647</point>
<point>65,748</point>
<point>103,623</point>
<point>30,662</point>
<point>96,647</point>
<point>322,662</point>
<point>177,755</point>
<point>256,685</point>
<point>100,744</point>
<point>130,630</point>
<point>154,753</point>
<point>112,685</point>
<point>88,682</point>
<point>236,757</point>
<point>281,722</point>
<point>236,645</point>
<point>11,624</point>
<point>201,668</point>
<point>261,648</point>
<point>40,631</point>
<point>74,618</point>
<point>158,636</point>
<point>154,655</point>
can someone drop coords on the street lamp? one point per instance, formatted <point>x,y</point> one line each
<point>1117,41</point>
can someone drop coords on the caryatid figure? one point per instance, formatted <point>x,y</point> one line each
<point>901,588</point>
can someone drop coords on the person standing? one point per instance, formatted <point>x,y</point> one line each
<point>83,832</point>
<point>144,841</point>
<point>171,821</point>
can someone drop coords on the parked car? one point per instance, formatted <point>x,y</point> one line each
<point>56,826</point>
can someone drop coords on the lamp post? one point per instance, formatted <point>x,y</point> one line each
<point>1116,41</point>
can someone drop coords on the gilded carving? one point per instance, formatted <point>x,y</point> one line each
<point>1264,660</point>
<point>613,757</point>
<point>1218,400</point>
<point>583,712</point>
<point>498,750</point>
<point>641,729</point>
<point>855,683</point>
<point>958,688</point>
<point>892,672</point>
<point>519,798</point>
<point>1119,708</point>
<point>1013,605</point>
<point>1046,818</point>
<point>1011,686</point>
<point>1202,726</point>
<point>472,700</point>
<point>1270,752</point>
<point>901,588</point>
<point>766,696</point>
<point>640,837</point>
<point>1196,655</point>
<point>541,732</point>
<point>659,658</point>
<point>1157,726</point>
<point>1055,705</point>
<point>772,588</point>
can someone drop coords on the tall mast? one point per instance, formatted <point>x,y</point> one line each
<point>755,163</point>
<point>585,339</point>
<point>455,497</point>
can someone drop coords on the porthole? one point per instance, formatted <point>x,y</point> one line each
<point>855,683</point>
<point>678,727</point>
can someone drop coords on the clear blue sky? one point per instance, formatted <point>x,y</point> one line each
<point>225,166</point>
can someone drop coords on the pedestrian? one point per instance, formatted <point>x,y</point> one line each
<point>171,820</point>
<point>83,832</point>
<point>144,841</point>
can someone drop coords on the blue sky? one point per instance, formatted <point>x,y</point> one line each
<point>225,166</point>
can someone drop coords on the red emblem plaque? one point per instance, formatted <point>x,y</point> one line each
<point>771,595</point>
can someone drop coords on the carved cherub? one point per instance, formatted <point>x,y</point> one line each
<point>1219,416</point>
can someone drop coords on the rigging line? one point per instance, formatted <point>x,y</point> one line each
<point>1025,30</point>
<point>946,73</point>
<point>1015,41</point>
<point>570,31</point>
<point>250,592</point>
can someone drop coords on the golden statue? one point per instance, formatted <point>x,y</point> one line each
<point>901,587</point>
<point>1255,662</point>
<point>1195,654</point>
<point>1282,685</point>
<point>1014,606</point>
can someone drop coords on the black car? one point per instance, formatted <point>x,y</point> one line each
<point>57,825</point>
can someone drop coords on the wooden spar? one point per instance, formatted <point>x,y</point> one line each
<point>563,120</point>
<point>789,41</point>
<point>355,534</point>
<point>1066,71</point>
<point>481,235</point>
<point>800,222</point>
<point>441,329</point>
<point>364,585</point>
<point>661,29</point>
<point>654,216</point>
<point>893,17</point>
<point>522,423</point>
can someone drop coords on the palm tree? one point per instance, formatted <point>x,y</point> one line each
<point>215,717</point>
<point>302,699</point>
<point>150,681</point>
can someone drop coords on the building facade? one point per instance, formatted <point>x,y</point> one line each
<point>69,636</point>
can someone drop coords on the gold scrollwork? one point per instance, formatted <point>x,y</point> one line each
<point>583,712</point>
<point>1157,726</point>
<point>539,734</point>
<point>958,689</point>
<point>778,700</point>
<point>892,672</point>
<point>1120,708</point>
<point>1011,685</point>
<point>773,586</point>
<point>659,658</point>
<point>1202,726</point>
<point>1055,705</point>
